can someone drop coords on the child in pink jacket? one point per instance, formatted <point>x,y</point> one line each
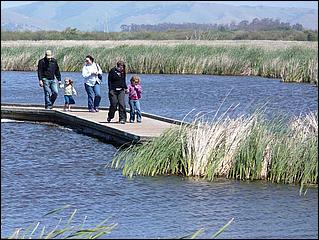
<point>134,95</point>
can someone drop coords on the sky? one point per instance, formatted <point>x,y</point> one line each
<point>298,4</point>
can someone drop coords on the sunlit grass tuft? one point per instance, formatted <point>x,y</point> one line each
<point>244,148</point>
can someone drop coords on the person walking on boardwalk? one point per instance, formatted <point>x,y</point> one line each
<point>69,91</point>
<point>134,94</point>
<point>48,70</point>
<point>117,89</point>
<point>92,75</point>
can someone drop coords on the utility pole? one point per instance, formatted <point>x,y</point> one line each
<point>106,24</point>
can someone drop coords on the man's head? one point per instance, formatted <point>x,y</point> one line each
<point>48,54</point>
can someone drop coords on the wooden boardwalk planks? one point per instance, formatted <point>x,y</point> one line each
<point>93,124</point>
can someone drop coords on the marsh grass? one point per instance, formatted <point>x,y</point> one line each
<point>69,231</point>
<point>244,148</point>
<point>63,230</point>
<point>289,61</point>
<point>203,230</point>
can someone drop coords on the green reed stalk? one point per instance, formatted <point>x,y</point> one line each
<point>165,160</point>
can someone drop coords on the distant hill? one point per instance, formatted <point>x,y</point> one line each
<point>110,15</point>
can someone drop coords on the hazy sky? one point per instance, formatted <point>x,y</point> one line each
<point>298,4</point>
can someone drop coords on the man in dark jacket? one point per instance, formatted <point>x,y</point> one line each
<point>117,89</point>
<point>48,69</point>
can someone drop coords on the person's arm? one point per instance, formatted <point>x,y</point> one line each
<point>139,89</point>
<point>130,91</point>
<point>40,73</point>
<point>57,72</point>
<point>126,90</point>
<point>74,91</point>
<point>40,70</point>
<point>124,80</point>
<point>109,79</point>
<point>99,70</point>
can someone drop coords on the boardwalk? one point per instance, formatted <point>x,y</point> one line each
<point>92,124</point>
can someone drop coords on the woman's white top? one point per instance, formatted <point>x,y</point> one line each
<point>87,73</point>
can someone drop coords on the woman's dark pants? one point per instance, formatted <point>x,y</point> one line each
<point>117,98</point>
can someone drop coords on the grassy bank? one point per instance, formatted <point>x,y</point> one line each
<point>289,61</point>
<point>245,148</point>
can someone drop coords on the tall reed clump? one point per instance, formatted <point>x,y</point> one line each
<point>245,148</point>
<point>294,156</point>
<point>291,64</point>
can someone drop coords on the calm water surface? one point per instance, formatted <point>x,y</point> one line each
<point>44,167</point>
<point>175,96</point>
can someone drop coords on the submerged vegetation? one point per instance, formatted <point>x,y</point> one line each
<point>288,61</point>
<point>62,230</point>
<point>70,231</point>
<point>245,148</point>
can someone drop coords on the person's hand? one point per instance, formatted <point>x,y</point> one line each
<point>126,90</point>
<point>40,83</point>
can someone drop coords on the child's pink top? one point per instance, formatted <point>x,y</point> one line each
<point>134,91</point>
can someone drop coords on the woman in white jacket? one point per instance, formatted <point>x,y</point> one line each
<point>91,72</point>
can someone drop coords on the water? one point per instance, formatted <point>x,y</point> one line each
<point>44,167</point>
<point>175,96</point>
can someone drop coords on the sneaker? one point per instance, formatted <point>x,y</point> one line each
<point>108,119</point>
<point>91,110</point>
<point>131,121</point>
<point>97,110</point>
<point>122,122</point>
<point>139,121</point>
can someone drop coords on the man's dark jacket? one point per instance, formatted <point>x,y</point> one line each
<point>48,68</point>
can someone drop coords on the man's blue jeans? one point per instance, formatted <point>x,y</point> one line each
<point>135,108</point>
<point>94,95</point>
<point>50,92</point>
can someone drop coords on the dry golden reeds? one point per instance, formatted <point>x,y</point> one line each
<point>290,61</point>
